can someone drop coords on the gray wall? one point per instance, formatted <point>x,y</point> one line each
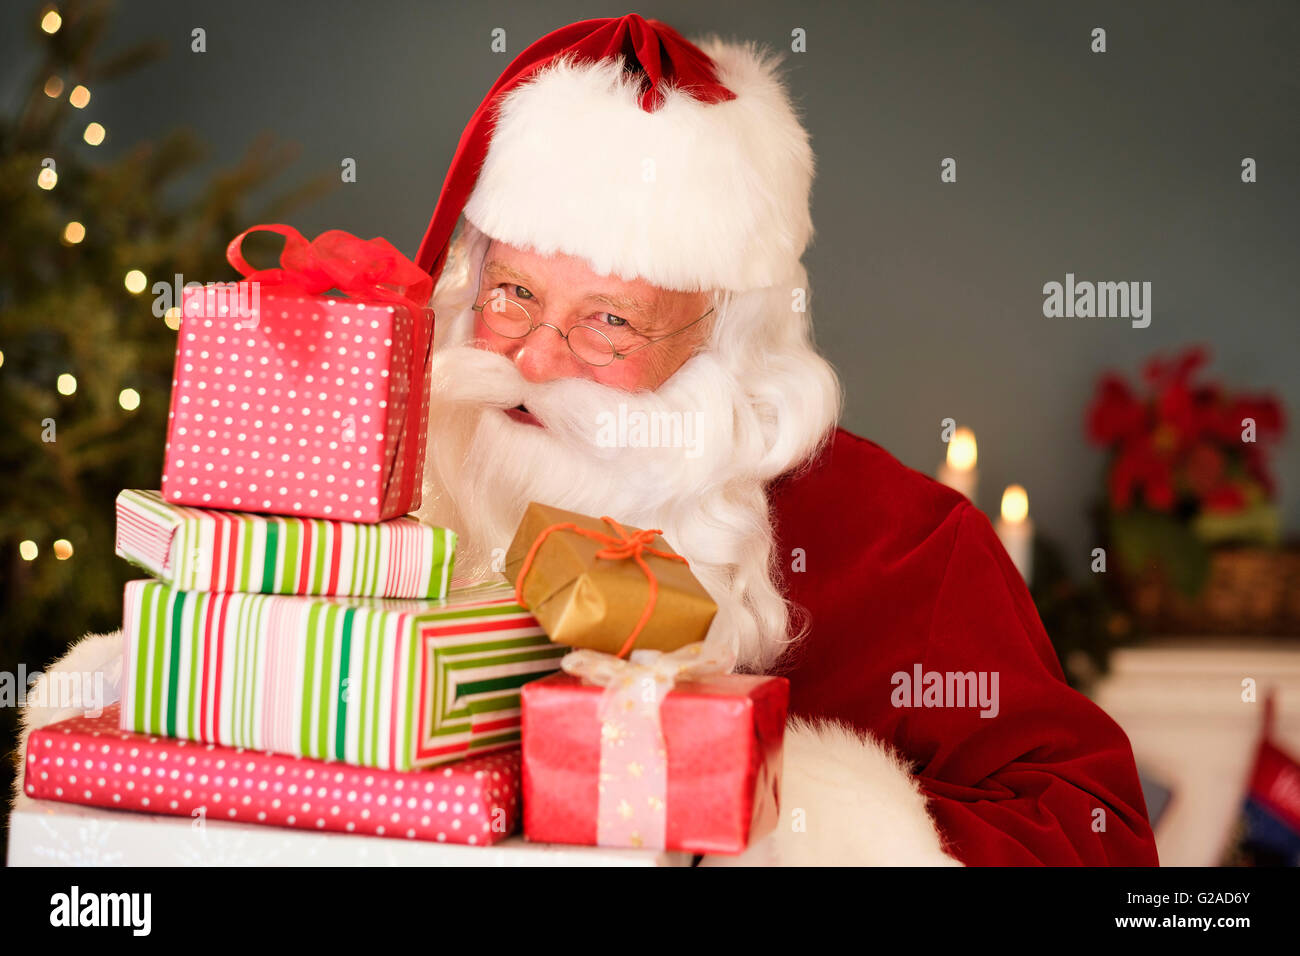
<point>1122,166</point>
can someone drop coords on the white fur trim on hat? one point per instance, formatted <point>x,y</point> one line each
<point>694,196</point>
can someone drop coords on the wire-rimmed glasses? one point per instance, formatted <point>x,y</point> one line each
<point>510,318</point>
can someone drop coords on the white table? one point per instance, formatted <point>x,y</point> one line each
<point>1180,702</point>
<point>50,833</point>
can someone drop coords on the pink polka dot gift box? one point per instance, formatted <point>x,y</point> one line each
<point>288,398</point>
<point>88,760</point>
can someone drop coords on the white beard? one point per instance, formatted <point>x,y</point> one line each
<point>708,498</point>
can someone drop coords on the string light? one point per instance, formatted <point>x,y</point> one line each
<point>47,178</point>
<point>135,282</point>
<point>173,318</point>
<point>28,551</point>
<point>73,233</point>
<point>129,399</point>
<point>79,96</point>
<point>53,87</point>
<point>67,384</point>
<point>51,22</point>
<point>63,549</point>
<point>94,134</point>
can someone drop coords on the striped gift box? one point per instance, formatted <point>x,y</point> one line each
<point>200,549</point>
<point>367,681</point>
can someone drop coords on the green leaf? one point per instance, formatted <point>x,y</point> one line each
<point>1257,524</point>
<point>1147,539</point>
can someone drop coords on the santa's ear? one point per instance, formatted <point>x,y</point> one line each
<point>847,799</point>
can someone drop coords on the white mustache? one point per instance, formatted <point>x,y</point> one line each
<point>467,375</point>
<point>464,375</point>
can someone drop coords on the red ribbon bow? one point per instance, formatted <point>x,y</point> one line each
<point>360,268</point>
<point>619,548</point>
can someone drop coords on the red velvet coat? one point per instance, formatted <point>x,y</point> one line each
<point>901,571</point>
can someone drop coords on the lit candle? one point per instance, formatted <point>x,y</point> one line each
<point>1016,530</point>
<point>959,472</point>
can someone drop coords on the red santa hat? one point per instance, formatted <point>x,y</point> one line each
<point>620,142</point>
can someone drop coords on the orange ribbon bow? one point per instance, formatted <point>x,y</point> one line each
<point>616,549</point>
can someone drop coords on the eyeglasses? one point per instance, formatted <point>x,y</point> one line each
<point>509,318</point>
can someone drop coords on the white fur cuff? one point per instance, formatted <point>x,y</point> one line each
<point>846,800</point>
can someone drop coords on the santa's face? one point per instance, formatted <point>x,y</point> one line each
<point>627,334</point>
<point>547,387</point>
<point>715,396</point>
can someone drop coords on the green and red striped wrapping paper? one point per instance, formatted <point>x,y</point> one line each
<point>201,549</point>
<point>367,681</point>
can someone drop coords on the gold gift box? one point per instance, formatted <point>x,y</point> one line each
<point>585,601</point>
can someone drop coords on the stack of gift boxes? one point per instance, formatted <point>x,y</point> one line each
<point>300,658</point>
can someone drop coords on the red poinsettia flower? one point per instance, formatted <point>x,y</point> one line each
<point>1115,413</point>
<point>1182,410</point>
<point>1207,411</point>
<point>1142,467</point>
<point>1157,372</point>
<point>1264,410</point>
<point>1252,456</point>
<point>1185,438</point>
<point>1203,469</point>
<point>1225,498</point>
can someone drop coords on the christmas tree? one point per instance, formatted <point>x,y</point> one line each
<point>87,247</point>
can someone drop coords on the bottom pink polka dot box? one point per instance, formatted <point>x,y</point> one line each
<point>88,760</point>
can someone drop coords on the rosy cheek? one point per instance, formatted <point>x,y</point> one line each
<point>488,339</point>
<point>634,373</point>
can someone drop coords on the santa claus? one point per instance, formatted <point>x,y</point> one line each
<point>635,210</point>
<point>623,329</point>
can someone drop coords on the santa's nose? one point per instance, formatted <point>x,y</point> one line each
<point>544,356</point>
